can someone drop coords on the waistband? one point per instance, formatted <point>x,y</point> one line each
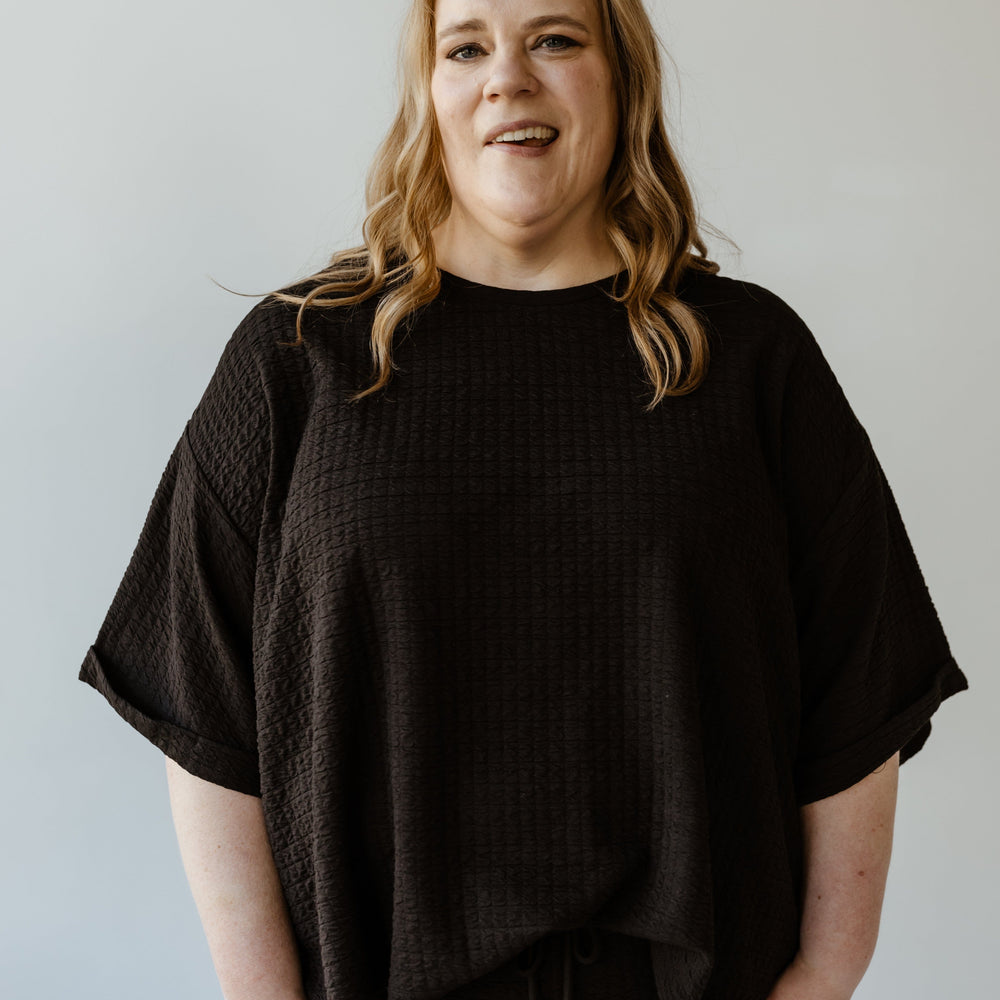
<point>579,944</point>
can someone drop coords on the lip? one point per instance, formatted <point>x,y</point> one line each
<point>514,126</point>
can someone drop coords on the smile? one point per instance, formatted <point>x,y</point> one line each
<point>535,136</point>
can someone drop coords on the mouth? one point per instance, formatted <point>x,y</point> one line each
<point>529,135</point>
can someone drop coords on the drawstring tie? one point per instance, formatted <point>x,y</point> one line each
<point>571,949</point>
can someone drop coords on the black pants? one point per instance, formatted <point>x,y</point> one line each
<point>582,964</point>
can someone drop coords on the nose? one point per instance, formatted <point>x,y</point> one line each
<point>509,75</point>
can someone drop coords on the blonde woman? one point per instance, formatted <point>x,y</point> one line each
<point>523,610</point>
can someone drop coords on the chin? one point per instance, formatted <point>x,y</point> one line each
<point>522,214</point>
<point>524,220</point>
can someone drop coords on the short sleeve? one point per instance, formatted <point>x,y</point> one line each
<point>874,660</point>
<point>174,655</point>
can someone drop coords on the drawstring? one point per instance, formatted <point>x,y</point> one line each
<point>571,949</point>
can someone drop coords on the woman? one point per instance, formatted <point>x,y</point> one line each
<point>478,672</point>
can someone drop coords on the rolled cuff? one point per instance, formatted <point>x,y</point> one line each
<point>907,732</point>
<point>228,766</point>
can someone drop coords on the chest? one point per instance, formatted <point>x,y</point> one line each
<point>530,440</point>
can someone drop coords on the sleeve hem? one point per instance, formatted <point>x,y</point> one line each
<point>907,732</point>
<point>228,766</point>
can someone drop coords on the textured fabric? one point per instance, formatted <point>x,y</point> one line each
<point>503,653</point>
<point>576,964</point>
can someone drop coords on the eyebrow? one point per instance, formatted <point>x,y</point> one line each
<point>536,23</point>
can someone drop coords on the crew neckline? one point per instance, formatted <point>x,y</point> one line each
<point>527,296</point>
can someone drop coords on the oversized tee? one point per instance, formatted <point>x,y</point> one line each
<point>503,652</point>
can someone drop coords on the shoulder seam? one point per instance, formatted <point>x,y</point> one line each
<point>210,490</point>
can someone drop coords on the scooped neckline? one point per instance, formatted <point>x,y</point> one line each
<point>527,296</point>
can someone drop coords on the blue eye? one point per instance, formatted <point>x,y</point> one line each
<point>470,47</point>
<point>553,43</point>
<point>562,42</point>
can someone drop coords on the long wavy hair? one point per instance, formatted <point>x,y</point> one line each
<point>650,214</point>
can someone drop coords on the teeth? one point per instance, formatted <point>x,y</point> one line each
<point>535,132</point>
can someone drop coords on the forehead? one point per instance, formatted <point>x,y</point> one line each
<point>517,11</point>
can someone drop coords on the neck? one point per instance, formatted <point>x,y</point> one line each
<point>571,256</point>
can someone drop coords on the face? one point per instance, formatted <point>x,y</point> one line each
<point>525,103</point>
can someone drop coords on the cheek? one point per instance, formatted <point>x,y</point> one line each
<point>442,108</point>
<point>604,98</point>
<point>452,110</point>
<point>597,105</point>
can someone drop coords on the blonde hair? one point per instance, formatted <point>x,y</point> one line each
<point>650,212</point>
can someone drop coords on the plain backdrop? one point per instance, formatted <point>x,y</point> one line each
<point>849,149</point>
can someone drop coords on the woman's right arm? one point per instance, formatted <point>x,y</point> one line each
<point>231,871</point>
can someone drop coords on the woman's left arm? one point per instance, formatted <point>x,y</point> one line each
<point>847,843</point>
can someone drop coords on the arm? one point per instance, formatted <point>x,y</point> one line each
<point>229,865</point>
<point>848,843</point>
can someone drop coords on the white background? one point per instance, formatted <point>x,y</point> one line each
<point>849,148</point>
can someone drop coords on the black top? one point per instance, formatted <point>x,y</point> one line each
<point>503,653</point>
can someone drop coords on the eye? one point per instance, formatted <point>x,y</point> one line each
<point>465,52</point>
<point>560,42</point>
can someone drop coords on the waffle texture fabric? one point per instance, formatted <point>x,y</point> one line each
<point>504,653</point>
